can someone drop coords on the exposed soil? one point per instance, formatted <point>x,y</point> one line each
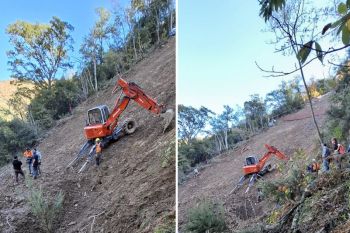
<point>131,191</point>
<point>216,181</point>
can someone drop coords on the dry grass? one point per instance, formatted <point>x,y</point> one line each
<point>7,89</point>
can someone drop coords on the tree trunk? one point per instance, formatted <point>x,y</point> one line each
<point>32,121</point>
<point>170,14</point>
<point>157,26</point>
<point>139,42</point>
<point>219,142</point>
<point>226,143</point>
<point>101,50</point>
<point>84,85</point>
<point>134,46</point>
<point>95,73</point>
<point>309,98</point>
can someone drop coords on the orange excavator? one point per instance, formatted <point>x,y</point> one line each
<point>255,168</point>
<point>104,125</point>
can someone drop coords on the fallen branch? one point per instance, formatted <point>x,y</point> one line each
<point>93,221</point>
<point>8,223</point>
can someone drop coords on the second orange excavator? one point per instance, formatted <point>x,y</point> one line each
<point>254,168</point>
<point>104,125</point>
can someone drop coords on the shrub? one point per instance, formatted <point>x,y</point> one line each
<point>15,135</point>
<point>168,157</point>
<point>206,217</point>
<point>165,228</point>
<point>256,228</point>
<point>46,211</point>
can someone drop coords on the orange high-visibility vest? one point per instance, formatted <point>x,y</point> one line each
<point>315,166</point>
<point>341,149</point>
<point>98,147</point>
<point>28,154</point>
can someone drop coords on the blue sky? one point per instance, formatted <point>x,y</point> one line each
<point>79,13</point>
<point>218,44</point>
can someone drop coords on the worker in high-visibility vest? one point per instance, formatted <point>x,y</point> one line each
<point>314,166</point>
<point>29,155</point>
<point>98,151</point>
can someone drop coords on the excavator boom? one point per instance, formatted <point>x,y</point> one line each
<point>134,92</point>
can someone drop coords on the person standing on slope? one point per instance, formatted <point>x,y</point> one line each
<point>35,165</point>
<point>98,151</point>
<point>338,152</point>
<point>36,151</point>
<point>325,157</point>
<point>17,166</point>
<point>29,155</point>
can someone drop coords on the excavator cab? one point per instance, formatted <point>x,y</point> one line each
<point>251,160</point>
<point>98,115</point>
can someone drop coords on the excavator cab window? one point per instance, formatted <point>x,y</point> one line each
<point>105,113</point>
<point>250,160</point>
<point>95,116</point>
<point>98,115</point>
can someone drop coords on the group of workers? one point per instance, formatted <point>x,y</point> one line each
<point>334,153</point>
<point>33,160</point>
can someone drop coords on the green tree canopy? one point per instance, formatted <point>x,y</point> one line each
<point>39,51</point>
<point>192,121</point>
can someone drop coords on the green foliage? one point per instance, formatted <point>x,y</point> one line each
<point>168,157</point>
<point>166,228</point>
<point>39,50</point>
<point>304,52</point>
<point>20,98</point>
<point>338,124</point>
<point>51,104</point>
<point>256,228</point>
<point>273,217</point>
<point>206,217</point>
<point>197,151</point>
<point>15,135</point>
<point>267,7</point>
<point>348,193</point>
<point>183,165</point>
<point>45,210</point>
<point>192,121</point>
<point>286,99</point>
<point>255,112</point>
<point>290,185</point>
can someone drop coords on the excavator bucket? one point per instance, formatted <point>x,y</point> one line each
<point>168,116</point>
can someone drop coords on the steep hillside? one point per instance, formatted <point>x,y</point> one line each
<point>216,181</point>
<point>7,89</point>
<point>131,191</point>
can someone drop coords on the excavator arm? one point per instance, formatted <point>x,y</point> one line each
<point>134,92</point>
<point>271,151</point>
<point>131,91</point>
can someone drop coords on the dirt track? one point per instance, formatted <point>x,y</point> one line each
<point>131,192</point>
<point>217,180</point>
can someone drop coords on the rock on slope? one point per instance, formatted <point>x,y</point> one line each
<point>131,192</point>
<point>217,180</point>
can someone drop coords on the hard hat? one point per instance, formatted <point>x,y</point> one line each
<point>97,139</point>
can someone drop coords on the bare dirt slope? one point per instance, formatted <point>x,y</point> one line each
<point>131,191</point>
<point>216,181</point>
